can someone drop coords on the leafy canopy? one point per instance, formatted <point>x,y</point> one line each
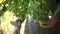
<point>21,8</point>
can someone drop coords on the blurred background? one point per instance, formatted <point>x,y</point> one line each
<point>11,10</point>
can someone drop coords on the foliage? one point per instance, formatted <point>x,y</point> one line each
<point>21,8</point>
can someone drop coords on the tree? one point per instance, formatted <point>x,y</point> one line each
<point>21,8</point>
